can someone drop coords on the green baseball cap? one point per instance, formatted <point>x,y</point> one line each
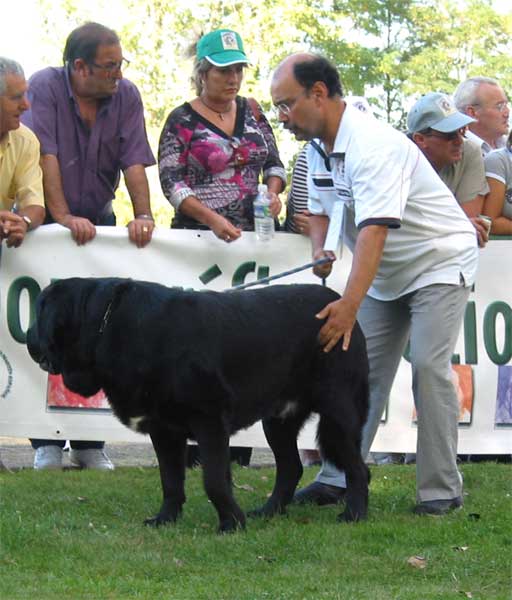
<point>222,48</point>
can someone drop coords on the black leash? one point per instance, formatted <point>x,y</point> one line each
<point>319,261</point>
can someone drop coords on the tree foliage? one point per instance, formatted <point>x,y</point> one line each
<point>391,51</point>
<point>388,50</point>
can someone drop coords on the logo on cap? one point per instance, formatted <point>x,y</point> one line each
<point>446,106</point>
<point>229,41</point>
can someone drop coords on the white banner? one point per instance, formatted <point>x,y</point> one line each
<point>33,406</point>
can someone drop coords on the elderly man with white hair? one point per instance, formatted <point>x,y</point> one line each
<point>484,99</point>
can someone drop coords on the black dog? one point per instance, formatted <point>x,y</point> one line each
<point>202,365</point>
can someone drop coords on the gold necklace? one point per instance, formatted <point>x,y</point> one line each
<point>220,114</point>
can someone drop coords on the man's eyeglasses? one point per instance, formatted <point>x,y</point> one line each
<point>112,67</point>
<point>449,137</point>
<point>500,106</point>
<point>285,108</point>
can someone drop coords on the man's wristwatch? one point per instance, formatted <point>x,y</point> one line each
<point>28,221</point>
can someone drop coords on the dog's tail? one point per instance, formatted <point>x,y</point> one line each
<point>340,445</point>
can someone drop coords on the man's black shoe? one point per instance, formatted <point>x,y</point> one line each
<point>320,494</point>
<point>437,507</point>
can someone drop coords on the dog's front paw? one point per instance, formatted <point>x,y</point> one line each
<point>159,520</point>
<point>231,525</point>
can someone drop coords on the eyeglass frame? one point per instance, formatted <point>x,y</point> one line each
<point>448,136</point>
<point>124,63</point>
<point>287,107</point>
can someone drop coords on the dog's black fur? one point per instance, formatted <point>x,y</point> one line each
<point>202,365</point>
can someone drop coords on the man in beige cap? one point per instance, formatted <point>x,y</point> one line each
<point>439,130</point>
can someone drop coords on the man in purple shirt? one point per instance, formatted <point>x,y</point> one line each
<point>90,124</point>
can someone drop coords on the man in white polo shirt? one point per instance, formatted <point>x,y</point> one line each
<point>414,261</point>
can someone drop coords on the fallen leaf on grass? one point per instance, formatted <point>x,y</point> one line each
<point>467,594</point>
<point>178,562</point>
<point>244,486</point>
<point>82,499</point>
<point>268,559</point>
<point>264,478</point>
<point>418,562</point>
<point>461,548</point>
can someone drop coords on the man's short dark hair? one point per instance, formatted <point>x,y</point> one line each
<point>83,42</point>
<point>308,72</point>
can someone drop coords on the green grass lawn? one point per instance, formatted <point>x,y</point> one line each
<point>79,535</point>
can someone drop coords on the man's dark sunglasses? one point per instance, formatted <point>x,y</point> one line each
<point>449,137</point>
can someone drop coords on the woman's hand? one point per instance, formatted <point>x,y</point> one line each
<point>224,230</point>
<point>275,204</point>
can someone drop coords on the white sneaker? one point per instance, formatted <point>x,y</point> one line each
<point>91,458</point>
<point>48,457</point>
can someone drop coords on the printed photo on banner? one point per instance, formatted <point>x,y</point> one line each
<point>504,396</point>
<point>59,396</point>
<point>462,377</point>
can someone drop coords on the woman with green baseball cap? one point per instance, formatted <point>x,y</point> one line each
<point>215,149</point>
<point>213,152</point>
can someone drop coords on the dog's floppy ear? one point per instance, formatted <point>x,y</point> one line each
<point>53,321</point>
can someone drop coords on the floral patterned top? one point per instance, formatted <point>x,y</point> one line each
<point>197,158</point>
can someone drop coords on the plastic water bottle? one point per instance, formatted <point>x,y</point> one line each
<point>263,220</point>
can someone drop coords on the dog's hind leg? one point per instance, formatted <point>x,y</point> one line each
<point>340,443</point>
<point>213,440</point>
<point>281,435</point>
<point>170,450</point>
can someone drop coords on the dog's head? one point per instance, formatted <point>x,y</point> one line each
<point>61,339</point>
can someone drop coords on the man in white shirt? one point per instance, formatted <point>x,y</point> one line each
<point>484,99</point>
<point>414,261</point>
